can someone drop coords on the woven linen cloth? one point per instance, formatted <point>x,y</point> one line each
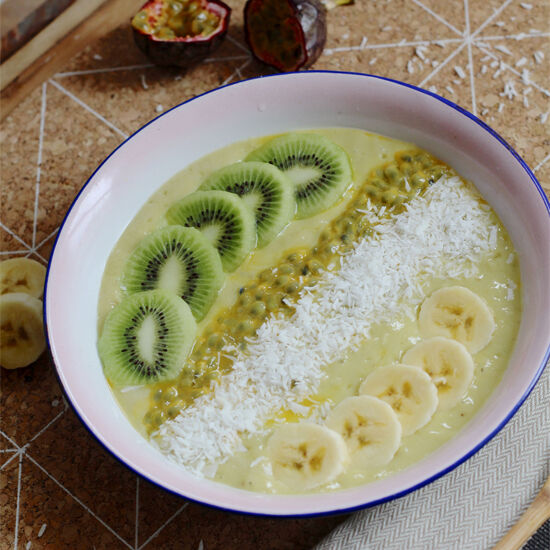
<point>471,507</point>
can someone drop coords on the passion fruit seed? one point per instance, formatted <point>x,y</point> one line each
<point>302,268</point>
<point>181,32</point>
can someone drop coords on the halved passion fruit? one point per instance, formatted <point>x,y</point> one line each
<point>180,32</point>
<point>286,34</point>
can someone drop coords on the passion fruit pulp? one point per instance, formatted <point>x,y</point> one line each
<point>288,35</point>
<point>180,32</point>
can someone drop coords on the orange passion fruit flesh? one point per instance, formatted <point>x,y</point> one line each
<point>179,21</point>
<point>275,34</point>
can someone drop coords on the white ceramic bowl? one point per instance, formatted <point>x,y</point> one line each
<point>264,106</point>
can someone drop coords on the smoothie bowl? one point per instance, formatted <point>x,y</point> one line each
<point>304,294</point>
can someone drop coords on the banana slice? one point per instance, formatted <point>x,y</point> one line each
<point>369,427</point>
<point>305,455</point>
<point>22,275</point>
<point>456,312</point>
<point>409,390</point>
<point>448,364</point>
<point>21,330</point>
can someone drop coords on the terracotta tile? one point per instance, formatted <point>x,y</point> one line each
<point>403,63</point>
<point>9,243</point>
<point>519,124</point>
<point>481,10</point>
<point>74,144</point>
<point>451,12</point>
<point>513,19</point>
<point>6,447</point>
<point>447,82</point>
<point>380,25</point>
<point>224,531</point>
<point>30,398</point>
<point>520,62</point>
<point>118,49</point>
<point>71,454</point>
<point>115,49</point>
<point>543,176</point>
<point>44,248</point>
<point>8,499</point>
<point>156,506</point>
<point>7,455</point>
<point>49,518</point>
<point>19,137</point>
<point>128,108</point>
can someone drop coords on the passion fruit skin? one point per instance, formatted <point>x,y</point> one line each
<point>297,32</point>
<point>181,51</point>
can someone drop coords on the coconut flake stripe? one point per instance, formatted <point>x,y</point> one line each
<point>442,234</point>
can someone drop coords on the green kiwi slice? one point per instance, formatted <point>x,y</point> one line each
<point>146,338</point>
<point>178,259</point>
<point>264,188</point>
<point>223,218</point>
<point>319,169</point>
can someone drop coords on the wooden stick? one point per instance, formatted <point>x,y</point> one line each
<point>47,38</point>
<point>65,39</point>
<point>532,519</point>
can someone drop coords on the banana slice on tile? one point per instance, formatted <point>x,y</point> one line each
<point>305,455</point>
<point>22,275</point>
<point>457,312</point>
<point>370,428</point>
<point>408,390</point>
<point>21,330</point>
<point>448,364</point>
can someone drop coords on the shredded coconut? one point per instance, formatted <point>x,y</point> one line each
<point>442,234</point>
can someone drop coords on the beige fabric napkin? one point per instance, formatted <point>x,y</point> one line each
<point>471,507</point>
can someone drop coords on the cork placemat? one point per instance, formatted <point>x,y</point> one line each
<point>58,488</point>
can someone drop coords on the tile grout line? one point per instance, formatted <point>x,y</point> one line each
<point>542,162</point>
<point>10,439</point>
<point>39,162</point>
<point>31,252</point>
<point>88,108</point>
<point>511,69</point>
<point>236,72</point>
<point>442,64</point>
<point>9,460</point>
<point>46,239</point>
<point>402,44</point>
<point>8,252</point>
<point>238,44</point>
<point>76,499</point>
<point>143,66</point>
<point>163,526</point>
<point>137,514</point>
<point>16,535</point>
<point>517,37</point>
<point>470,58</point>
<point>104,70</point>
<point>490,18</point>
<point>17,238</point>
<point>438,17</point>
<point>38,434</point>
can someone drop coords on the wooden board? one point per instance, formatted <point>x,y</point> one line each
<point>79,25</point>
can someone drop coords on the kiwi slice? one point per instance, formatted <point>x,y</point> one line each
<point>319,169</point>
<point>264,188</point>
<point>223,218</point>
<point>178,259</point>
<point>146,338</point>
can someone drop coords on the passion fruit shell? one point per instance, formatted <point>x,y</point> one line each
<point>288,35</point>
<point>180,32</point>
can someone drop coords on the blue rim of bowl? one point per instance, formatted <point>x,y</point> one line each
<point>370,504</point>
